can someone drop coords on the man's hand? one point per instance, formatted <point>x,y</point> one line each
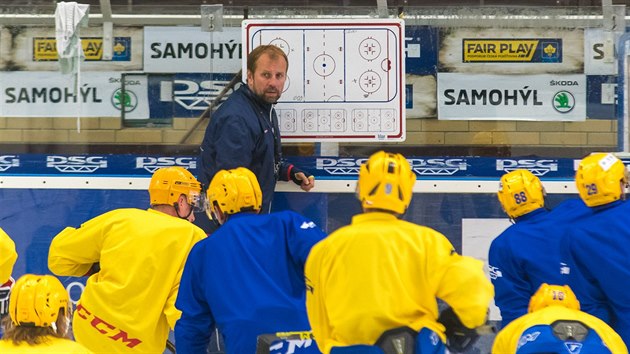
<point>306,183</point>
<point>305,180</point>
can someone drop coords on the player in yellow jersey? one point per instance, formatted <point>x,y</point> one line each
<point>39,317</point>
<point>554,324</point>
<point>381,276</point>
<point>136,258</point>
<point>8,256</point>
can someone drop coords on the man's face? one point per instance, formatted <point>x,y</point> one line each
<point>268,80</point>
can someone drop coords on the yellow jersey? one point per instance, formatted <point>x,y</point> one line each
<point>51,345</point>
<point>380,273</point>
<point>8,256</point>
<point>530,328</point>
<point>129,305</point>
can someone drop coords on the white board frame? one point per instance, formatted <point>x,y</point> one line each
<point>335,92</point>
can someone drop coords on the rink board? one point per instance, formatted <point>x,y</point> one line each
<point>43,194</point>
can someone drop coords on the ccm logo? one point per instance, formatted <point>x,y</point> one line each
<point>105,328</point>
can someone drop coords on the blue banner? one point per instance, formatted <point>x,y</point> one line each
<point>319,166</point>
<point>421,49</point>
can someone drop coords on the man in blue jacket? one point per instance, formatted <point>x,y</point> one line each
<point>596,249</point>
<point>527,253</point>
<point>244,131</point>
<point>247,279</point>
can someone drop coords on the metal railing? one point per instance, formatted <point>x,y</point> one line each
<point>452,16</point>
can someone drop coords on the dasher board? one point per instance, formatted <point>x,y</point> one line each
<point>345,80</point>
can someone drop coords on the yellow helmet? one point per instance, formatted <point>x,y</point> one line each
<point>168,183</point>
<point>36,299</point>
<point>234,191</point>
<point>386,182</point>
<point>520,192</point>
<point>553,295</point>
<point>599,179</point>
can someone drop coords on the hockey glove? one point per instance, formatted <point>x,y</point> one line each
<point>459,338</point>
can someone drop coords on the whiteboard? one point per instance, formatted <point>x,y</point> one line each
<point>345,80</point>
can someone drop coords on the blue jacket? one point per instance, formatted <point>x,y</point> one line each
<point>244,132</point>
<point>527,254</point>
<point>597,252</point>
<point>246,279</point>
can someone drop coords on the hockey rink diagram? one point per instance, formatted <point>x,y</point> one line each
<point>345,79</point>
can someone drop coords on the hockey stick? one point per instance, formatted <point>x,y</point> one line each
<point>206,114</point>
<point>170,346</point>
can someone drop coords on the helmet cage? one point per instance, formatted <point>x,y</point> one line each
<point>169,183</point>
